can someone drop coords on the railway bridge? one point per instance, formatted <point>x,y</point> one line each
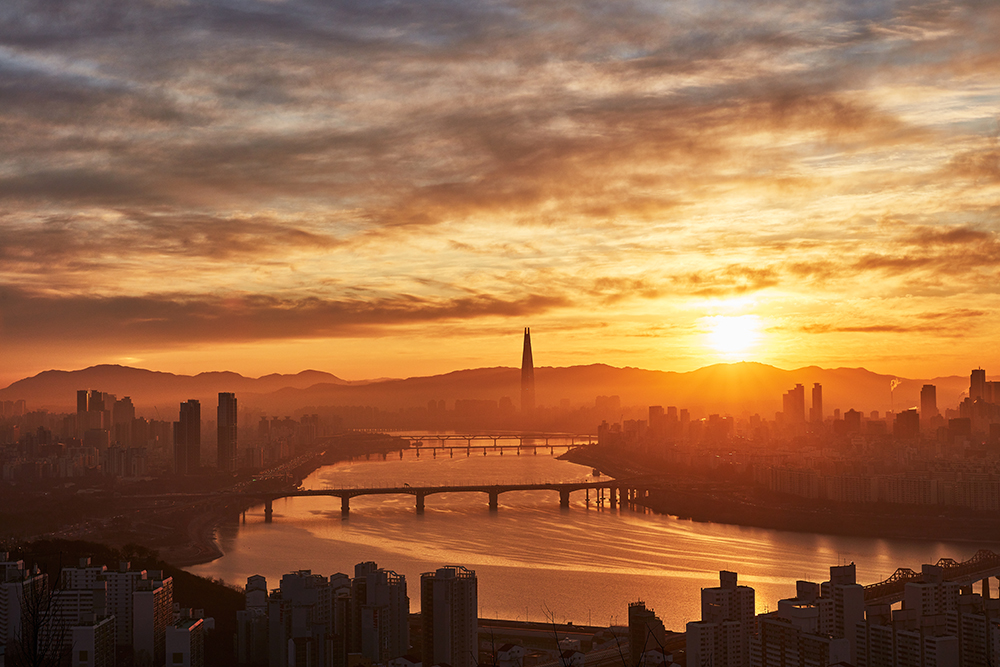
<point>983,565</point>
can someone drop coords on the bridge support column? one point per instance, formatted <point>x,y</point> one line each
<point>986,588</point>
<point>494,501</point>
<point>613,497</point>
<point>420,503</point>
<point>588,497</point>
<point>268,510</point>
<point>345,504</point>
<point>564,498</point>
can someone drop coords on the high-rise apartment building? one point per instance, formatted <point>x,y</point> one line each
<point>722,636</point>
<point>645,631</point>
<point>226,454</point>
<point>300,619</point>
<point>527,376</point>
<point>848,603</point>
<point>793,404</point>
<point>187,438</point>
<point>384,615</point>
<point>152,614</point>
<point>449,609</point>
<point>816,412</point>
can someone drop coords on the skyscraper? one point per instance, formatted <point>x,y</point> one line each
<point>527,375</point>
<point>928,401</point>
<point>977,384</point>
<point>722,636</point>
<point>187,438</point>
<point>816,413</point>
<point>794,404</point>
<point>449,607</point>
<point>226,455</point>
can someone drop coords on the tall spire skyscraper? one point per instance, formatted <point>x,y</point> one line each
<point>527,375</point>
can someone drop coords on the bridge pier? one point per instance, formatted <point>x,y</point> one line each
<point>564,498</point>
<point>588,497</point>
<point>613,497</point>
<point>268,510</point>
<point>494,501</point>
<point>401,454</point>
<point>420,503</point>
<point>345,505</point>
<point>986,588</point>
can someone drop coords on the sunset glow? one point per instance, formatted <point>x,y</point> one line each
<point>384,190</point>
<point>734,336</point>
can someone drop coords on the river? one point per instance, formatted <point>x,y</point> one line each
<point>533,559</point>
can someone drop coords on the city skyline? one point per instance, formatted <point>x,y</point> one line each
<point>271,187</point>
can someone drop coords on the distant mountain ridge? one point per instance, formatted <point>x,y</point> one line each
<point>58,388</point>
<point>740,388</point>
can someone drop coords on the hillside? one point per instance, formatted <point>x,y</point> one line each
<point>741,388</point>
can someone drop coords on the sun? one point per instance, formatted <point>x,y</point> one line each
<point>733,335</point>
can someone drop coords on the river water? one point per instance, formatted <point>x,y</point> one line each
<point>535,560</point>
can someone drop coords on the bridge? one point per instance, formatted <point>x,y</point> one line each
<point>983,565</point>
<point>493,442</point>
<point>608,491</point>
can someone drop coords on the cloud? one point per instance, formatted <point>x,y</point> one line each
<point>187,319</point>
<point>434,160</point>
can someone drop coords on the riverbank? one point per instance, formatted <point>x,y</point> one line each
<point>735,503</point>
<point>200,544</point>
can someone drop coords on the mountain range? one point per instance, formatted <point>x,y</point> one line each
<point>738,389</point>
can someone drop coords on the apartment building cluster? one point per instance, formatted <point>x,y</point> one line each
<point>102,438</point>
<point>338,621</point>
<point>939,624</point>
<point>93,615</point>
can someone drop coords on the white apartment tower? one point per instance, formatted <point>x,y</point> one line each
<point>722,636</point>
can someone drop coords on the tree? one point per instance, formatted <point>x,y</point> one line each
<point>42,638</point>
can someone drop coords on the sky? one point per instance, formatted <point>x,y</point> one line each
<point>386,189</point>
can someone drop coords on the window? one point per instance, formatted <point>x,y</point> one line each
<point>178,658</point>
<point>83,656</point>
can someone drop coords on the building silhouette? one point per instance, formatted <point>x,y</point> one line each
<point>793,404</point>
<point>449,609</point>
<point>381,610</point>
<point>977,384</point>
<point>816,412</point>
<point>187,438</point>
<point>226,456</point>
<point>645,632</point>
<point>527,375</point>
<point>928,401</point>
